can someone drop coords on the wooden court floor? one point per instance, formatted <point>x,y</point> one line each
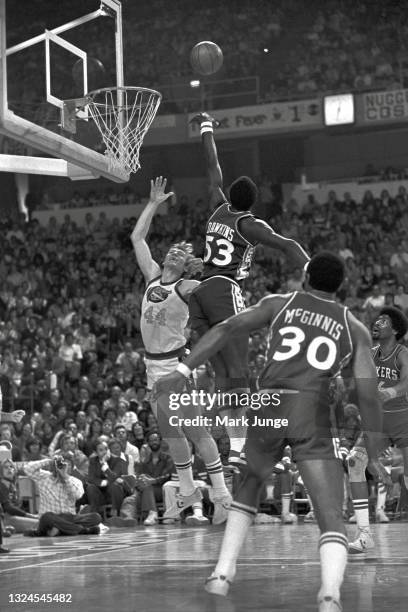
<point>162,569</point>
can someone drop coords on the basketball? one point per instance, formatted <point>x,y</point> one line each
<point>206,57</point>
<point>96,74</point>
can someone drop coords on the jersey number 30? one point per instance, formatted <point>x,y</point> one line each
<point>292,339</point>
<point>218,251</point>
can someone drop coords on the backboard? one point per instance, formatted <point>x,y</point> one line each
<point>48,55</point>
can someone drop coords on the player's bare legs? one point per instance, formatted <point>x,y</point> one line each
<point>357,464</point>
<point>324,481</point>
<point>231,377</point>
<point>180,453</point>
<point>240,517</point>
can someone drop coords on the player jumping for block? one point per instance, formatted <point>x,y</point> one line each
<point>231,236</point>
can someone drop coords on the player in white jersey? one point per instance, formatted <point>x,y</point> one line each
<point>163,321</point>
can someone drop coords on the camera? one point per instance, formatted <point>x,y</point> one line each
<point>60,463</point>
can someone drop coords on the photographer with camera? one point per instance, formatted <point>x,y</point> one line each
<point>58,492</point>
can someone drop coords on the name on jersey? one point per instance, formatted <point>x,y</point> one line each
<point>387,373</point>
<point>220,228</point>
<point>315,319</point>
<point>157,294</point>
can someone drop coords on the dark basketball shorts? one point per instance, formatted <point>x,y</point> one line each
<point>307,428</point>
<point>395,428</point>
<point>214,300</point>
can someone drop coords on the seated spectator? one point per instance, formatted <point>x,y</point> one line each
<point>58,492</point>
<point>95,430</point>
<point>125,416</point>
<point>388,278</point>
<point>401,298</point>
<point>71,354</point>
<point>13,515</point>
<point>69,451</point>
<point>105,484</point>
<point>295,281</point>
<point>367,282</point>
<point>150,477</point>
<point>6,433</point>
<point>172,487</point>
<point>131,451</point>
<point>33,450</point>
<point>129,361</point>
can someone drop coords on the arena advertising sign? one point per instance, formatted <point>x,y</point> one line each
<point>276,116</point>
<point>384,106</point>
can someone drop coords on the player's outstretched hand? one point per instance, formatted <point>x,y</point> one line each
<point>376,469</point>
<point>157,189</point>
<point>171,383</point>
<point>200,117</point>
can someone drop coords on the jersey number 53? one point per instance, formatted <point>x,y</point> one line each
<point>218,251</point>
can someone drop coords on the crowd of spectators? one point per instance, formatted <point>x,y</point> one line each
<point>296,48</point>
<point>71,353</point>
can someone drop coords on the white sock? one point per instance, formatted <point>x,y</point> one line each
<point>406,482</point>
<point>333,559</point>
<point>381,497</point>
<point>216,474</point>
<point>185,474</point>
<point>240,518</point>
<point>286,497</point>
<point>197,509</point>
<point>361,512</point>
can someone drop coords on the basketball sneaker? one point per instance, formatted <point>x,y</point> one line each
<point>381,517</point>
<point>217,585</point>
<point>195,520</point>
<point>221,507</point>
<point>182,502</point>
<point>353,519</point>
<point>329,604</point>
<point>289,518</point>
<point>266,519</point>
<point>309,517</point>
<point>151,519</point>
<point>362,544</point>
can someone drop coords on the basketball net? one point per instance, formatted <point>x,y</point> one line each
<point>123,115</point>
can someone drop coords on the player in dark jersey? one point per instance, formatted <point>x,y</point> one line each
<point>231,236</point>
<point>391,361</point>
<point>311,338</point>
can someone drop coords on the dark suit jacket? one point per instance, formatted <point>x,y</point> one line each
<point>117,467</point>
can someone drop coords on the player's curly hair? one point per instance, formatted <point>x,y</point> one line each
<point>326,272</point>
<point>243,193</point>
<point>398,320</point>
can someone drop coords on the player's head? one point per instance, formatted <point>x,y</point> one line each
<point>324,272</point>
<point>390,322</point>
<point>243,193</point>
<point>178,257</point>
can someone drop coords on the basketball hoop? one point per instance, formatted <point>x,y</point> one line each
<point>123,115</point>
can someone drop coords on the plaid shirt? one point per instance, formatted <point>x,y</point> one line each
<point>55,495</point>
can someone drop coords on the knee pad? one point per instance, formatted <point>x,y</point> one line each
<point>357,463</point>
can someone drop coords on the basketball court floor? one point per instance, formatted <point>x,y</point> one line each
<point>163,568</point>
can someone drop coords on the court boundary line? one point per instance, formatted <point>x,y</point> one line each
<point>98,552</point>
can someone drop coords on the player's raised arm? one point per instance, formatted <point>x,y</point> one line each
<point>257,231</point>
<point>206,123</point>
<point>148,266</point>
<point>365,376</point>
